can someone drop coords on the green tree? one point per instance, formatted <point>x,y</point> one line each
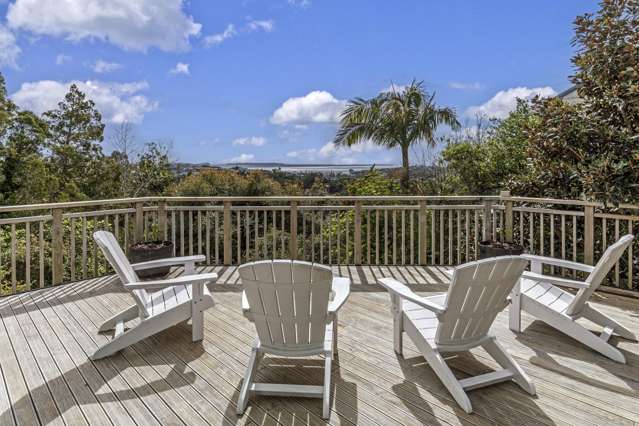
<point>23,174</point>
<point>75,136</point>
<point>397,118</point>
<point>607,63</point>
<point>492,160</point>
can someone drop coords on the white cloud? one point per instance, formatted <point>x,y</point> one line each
<point>62,59</point>
<point>251,141</point>
<point>130,24</point>
<point>266,26</point>
<point>336,154</point>
<point>300,3</point>
<point>242,158</point>
<point>215,39</point>
<point>505,101</point>
<point>118,102</point>
<point>180,68</point>
<point>465,86</point>
<point>316,107</point>
<point>103,67</point>
<point>9,50</point>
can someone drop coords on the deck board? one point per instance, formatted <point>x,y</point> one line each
<point>46,376</point>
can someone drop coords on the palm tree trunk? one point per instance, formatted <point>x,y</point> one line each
<point>405,167</point>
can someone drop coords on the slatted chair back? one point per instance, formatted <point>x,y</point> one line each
<point>288,302</point>
<point>118,260</point>
<point>596,277</point>
<point>477,293</point>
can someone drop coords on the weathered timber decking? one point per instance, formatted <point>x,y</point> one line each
<point>46,376</point>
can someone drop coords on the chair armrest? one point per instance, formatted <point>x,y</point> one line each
<point>170,282</point>
<point>342,288</point>
<point>558,262</point>
<point>245,302</point>
<point>564,282</point>
<point>395,287</point>
<point>169,261</point>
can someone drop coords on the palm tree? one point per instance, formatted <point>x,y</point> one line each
<point>396,118</point>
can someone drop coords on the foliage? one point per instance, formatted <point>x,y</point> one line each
<point>607,64</point>
<point>372,183</point>
<point>222,182</point>
<point>591,149</point>
<point>397,118</point>
<point>491,160</point>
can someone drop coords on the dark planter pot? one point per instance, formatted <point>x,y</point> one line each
<point>151,250</point>
<point>497,248</point>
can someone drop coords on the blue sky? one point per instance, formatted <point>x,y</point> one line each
<point>265,80</point>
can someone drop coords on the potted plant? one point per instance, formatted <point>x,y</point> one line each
<point>493,248</point>
<point>151,250</point>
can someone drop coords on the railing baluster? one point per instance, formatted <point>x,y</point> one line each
<point>173,232</point>
<point>617,263</point>
<point>412,237</point>
<point>217,238</point>
<point>385,237</point>
<point>433,240</point>
<point>199,232</point>
<point>368,237</point>
<point>190,233</point>
<point>72,248</point>
<point>403,246</point>
<point>95,248</point>
<point>238,235</point>
<point>574,242</point>
<point>84,248</point>
<point>247,228</point>
<point>394,242</point>
<point>41,252</point>
<point>458,242</point>
<point>476,234</point>
<point>630,262</point>
<point>467,232</point>
<point>182,249</point>
<point>377,236</point>
<point>552,240</point>
<point>442,249</point>
<point>531,231</point>
<point>13,259</point>
<point>27,255</point>
<point>450,237</point>
<point>322,236</point>
<point>207,217</point>
<point>541,234</point>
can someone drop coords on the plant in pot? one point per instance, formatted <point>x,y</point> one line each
<point>144,251</point>
<point>495,248</point>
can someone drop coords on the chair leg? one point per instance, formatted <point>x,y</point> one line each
<point>335,334</point>
<point>439,366</point>
<point>126,339</point>
<point>575,330</point>
<point>126,315</point>
<point>514,311</point>
<point>197,323</point>
<point>326,402</point>
<point>507,362</point>
<point>248,380</point>
<point>604,320</point>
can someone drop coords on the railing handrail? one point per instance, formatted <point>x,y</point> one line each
<point>241,199</point>
<point>305,198</point>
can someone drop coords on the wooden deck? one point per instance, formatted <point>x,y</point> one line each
<point>47,378</point>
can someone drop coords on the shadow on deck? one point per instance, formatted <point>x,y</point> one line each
<point>47,378</point>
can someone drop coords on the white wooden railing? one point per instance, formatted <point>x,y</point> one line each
<point>48,244</point>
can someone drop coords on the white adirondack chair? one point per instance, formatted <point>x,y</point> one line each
<point>459,320</point>
<point>539,296</point>
<point>290,304</point>
<point>159,304</point>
